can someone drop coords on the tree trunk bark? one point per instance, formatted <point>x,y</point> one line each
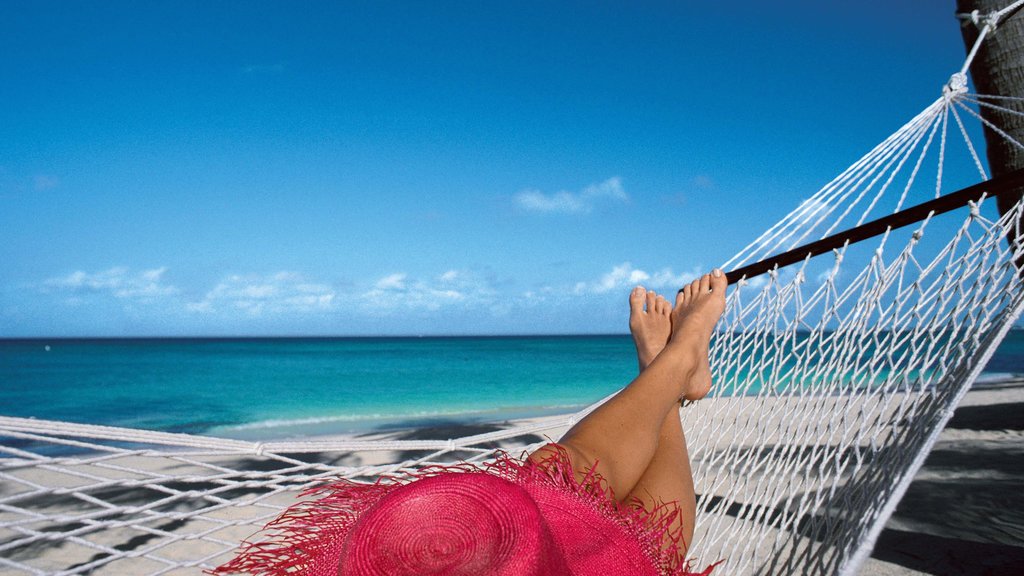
<point>998,70</point>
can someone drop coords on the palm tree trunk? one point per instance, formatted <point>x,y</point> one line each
<point>998,70</point>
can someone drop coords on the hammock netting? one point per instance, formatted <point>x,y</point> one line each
<point>833,378</point>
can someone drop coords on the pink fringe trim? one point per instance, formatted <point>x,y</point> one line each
<point>308,537</point>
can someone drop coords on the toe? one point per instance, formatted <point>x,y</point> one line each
<point>705,284</point>
<point>680,298</point>
<point>695,289</point>
<point>649,299</point>
<point>636,300</point>
<point>718,281</point>
<point>661,306</point>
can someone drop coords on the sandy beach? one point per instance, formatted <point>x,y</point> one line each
<point>963,514</point>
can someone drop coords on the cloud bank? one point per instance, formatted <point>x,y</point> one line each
<point>565,202</point>
<point>399,292</point>
<point>119,282</point>
<point>449,301</point>
<point>624,277</point>
<point>282,292</point>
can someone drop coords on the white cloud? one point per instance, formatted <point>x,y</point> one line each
<point>829,274</point>
<point>558,202</point>
<point>757,282</point>
<point>539,294</point>
<point>460,293</point>
<point>398,291</point>
<point>119,282</point>
<point>282,292</point>
<point>392,282</point>
<point>572,202</point>
<point>203,307</point>
<point>625,276</point>
<point>810,211</point>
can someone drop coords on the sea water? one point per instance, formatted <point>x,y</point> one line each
<point>289,387</point>
<point>271,388</point>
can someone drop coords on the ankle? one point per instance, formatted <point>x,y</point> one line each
<point>680,355</point>
<point>646,355</point>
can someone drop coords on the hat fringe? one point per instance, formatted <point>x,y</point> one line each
<point>308,537</point>
<point>651,527</point>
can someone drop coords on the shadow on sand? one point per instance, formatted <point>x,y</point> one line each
<point>964,512</point>
<point>443,430</point>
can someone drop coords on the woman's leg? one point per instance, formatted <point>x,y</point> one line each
<point>668,477</point>
<point>621,436</point>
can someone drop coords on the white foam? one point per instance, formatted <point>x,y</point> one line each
<point>399,416</point>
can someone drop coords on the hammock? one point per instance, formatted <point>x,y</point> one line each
<point>837,364</point>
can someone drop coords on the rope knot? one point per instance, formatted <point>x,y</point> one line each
<point>991,20</point>
<point>975,211</point>
<point>957,85</point>
<point>972,17</point>
<point>917,235</point>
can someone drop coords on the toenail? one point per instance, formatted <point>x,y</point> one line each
<point>717,272</point>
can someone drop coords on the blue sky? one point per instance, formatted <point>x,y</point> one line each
<point>363,168</point>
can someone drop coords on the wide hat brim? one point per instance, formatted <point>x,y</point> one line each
<point>506,518</point>
<point>459,524</point>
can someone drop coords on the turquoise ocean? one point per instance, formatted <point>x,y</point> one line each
<point>263,388</point>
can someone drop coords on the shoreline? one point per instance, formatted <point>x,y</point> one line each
<point>348,428</point>
<point>317,428</point>
<point>323,428</point>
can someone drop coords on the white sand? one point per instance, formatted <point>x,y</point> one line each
<point>964,514</point>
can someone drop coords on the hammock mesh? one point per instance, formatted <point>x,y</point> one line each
<point>833,378</point>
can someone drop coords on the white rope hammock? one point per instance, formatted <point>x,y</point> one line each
<point>834,376</point>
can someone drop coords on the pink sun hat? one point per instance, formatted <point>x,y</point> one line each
<point>453,524</point>
<point>506,518</point>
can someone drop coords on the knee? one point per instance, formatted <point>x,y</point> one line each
<point>544,454</point>
<point>581,459</point>
<point>577,458</point>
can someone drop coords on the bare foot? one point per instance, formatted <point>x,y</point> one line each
<point>699,305</point>
<point>701,379</point>
<point>650,324</point>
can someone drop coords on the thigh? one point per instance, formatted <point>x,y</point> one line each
<point>667,483</point>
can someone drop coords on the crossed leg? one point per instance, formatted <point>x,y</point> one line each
<point>635,439</point>
<point>668,478</point>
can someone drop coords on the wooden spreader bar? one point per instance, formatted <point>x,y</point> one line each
<point>1005,184</point>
